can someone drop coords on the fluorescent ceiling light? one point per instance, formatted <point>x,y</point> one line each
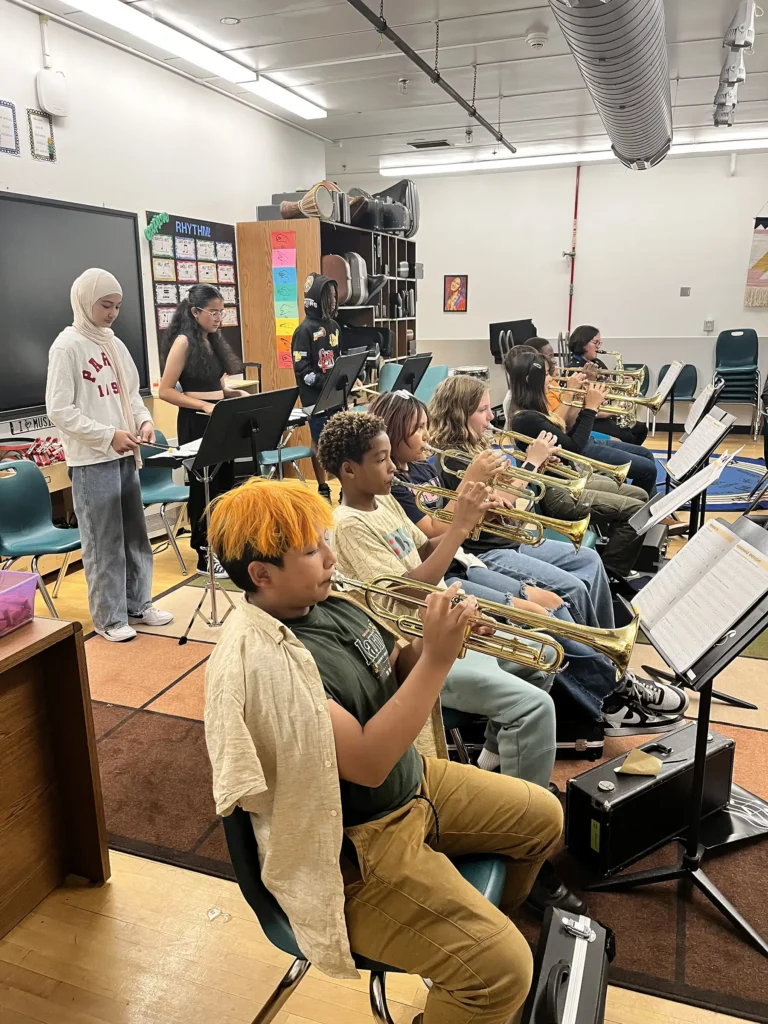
<point>269,90</point>
<point>564,159</point>
<point>127,18</point>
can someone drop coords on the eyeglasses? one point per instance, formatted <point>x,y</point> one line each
<point>217,314</point>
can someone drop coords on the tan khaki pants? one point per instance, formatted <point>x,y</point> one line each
<point>412,909</point>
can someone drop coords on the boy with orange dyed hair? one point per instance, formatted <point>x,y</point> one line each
<point>311,715</point>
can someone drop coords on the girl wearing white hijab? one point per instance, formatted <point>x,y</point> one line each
<point>92,396</point>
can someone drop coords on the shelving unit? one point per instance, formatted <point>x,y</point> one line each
<point>382,254</point>
<point>314,239</point>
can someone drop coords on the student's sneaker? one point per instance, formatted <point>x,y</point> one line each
<point>118,634</point>
<point>152,617</point>
<point>325,492</point>
<point>219,572</point>
<point>550,891</point>
<point>641,706</point>
<point>653,696</point>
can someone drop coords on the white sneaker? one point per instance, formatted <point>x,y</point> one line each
<point>152,617</point>
<point>119,634</point>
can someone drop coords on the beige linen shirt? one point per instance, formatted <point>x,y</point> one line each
<point>272,751</point>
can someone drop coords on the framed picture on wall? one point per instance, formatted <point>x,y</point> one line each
<point>455,293</point>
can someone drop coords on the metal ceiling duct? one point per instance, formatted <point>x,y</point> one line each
<point>621,50</point>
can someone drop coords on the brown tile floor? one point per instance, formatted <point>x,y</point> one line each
<point>132,674</point>
<point>186,698</point>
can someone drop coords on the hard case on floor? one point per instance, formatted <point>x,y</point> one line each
<point>609,828</point>
<point>570,972</point>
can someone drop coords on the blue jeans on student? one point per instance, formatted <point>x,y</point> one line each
<point>643,471</point>
<point>578,577</point>
<point>117,555</point>
<point>587,676</point>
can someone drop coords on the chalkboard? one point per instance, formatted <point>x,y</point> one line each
<point>44,246</point>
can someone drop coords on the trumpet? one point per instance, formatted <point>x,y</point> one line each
<point>626,411</point>
<point>614,644</point>
<point>505,440</point>
<point>618,473</point>
<point>630,387</point>
<point>510,524</point>
<point>539,481</point>
<point>619,373</point>
<point>524,647</point>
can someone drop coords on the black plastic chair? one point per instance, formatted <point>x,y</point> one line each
<point>486,874</point>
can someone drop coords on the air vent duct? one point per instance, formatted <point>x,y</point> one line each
<point>427,144</point>
<point>621,50</point>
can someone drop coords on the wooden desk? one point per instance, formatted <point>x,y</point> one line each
<point>51,811</point>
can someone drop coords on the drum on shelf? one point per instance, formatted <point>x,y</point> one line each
<point>480,372</point>
<point>318,202</point>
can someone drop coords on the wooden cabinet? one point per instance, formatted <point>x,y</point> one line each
<point>51,811</point>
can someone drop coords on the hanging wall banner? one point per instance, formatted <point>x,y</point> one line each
<point>194,251</point>
<point>756,293</point>
<point>286,294</point>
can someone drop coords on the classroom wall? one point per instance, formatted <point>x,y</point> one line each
<point>641,236</point>
<point>142,138</point>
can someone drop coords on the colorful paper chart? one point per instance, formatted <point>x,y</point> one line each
<point>286,293</point>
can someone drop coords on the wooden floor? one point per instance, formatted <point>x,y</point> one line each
<point>160,945</point>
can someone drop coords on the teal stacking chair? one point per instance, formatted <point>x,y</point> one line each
<point>434,375</point>
<point>26,524</point>
<point>736,358</point>
<point>685,386</point>
<point>486,874</point>
<point>159,488</point>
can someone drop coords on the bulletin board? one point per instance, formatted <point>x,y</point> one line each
<point>187,251</point>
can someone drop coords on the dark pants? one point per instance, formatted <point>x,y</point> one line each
<point>191,425</point>
<point>633,435</point>
<point>643,470</point>
<point>611,506</point>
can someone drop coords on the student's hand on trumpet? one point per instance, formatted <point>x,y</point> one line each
<point>578,381</point>
<point>541,450</point>
<point>485,466</point>
<point>472,502</point>
<point>595,396</point>
<point>445,620</point>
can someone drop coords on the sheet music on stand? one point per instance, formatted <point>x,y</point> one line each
<point>699,595</point>
<point>704,438</point>
<point>668,380</point>
<point>667,504</point>
<point>697,409</point>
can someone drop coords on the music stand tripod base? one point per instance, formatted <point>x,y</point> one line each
<point>212,585</point>
<point>703,835</point>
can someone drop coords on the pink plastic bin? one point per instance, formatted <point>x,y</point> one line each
<point>17,599</point>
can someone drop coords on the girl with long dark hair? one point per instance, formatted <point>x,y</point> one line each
<point>195,355</point>
<point>584,344</point>
<point>610,504</point>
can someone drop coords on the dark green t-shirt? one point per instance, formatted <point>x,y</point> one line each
<point>352,657</point>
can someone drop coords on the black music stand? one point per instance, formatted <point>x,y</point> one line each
<point>411,373</point>
<point>744,817</point>
<point>338,383</point>
<point>238,427</point>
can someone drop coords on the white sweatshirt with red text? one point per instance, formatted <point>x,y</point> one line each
<point>82,397</point>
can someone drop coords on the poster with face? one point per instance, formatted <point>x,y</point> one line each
<point>455,293</point>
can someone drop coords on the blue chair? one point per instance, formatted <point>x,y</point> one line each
<point>686,386</point>
<point>388,374</point>
<point>26,527</point>
<point>273,461</point>
<point>158,488</point>
<point>434,375</point>
<point>736,358</point>
<point>486,874</point>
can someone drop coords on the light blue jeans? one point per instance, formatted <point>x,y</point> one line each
<point>117,555</point>
<point>578,577</point>
<point>521,715</point>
